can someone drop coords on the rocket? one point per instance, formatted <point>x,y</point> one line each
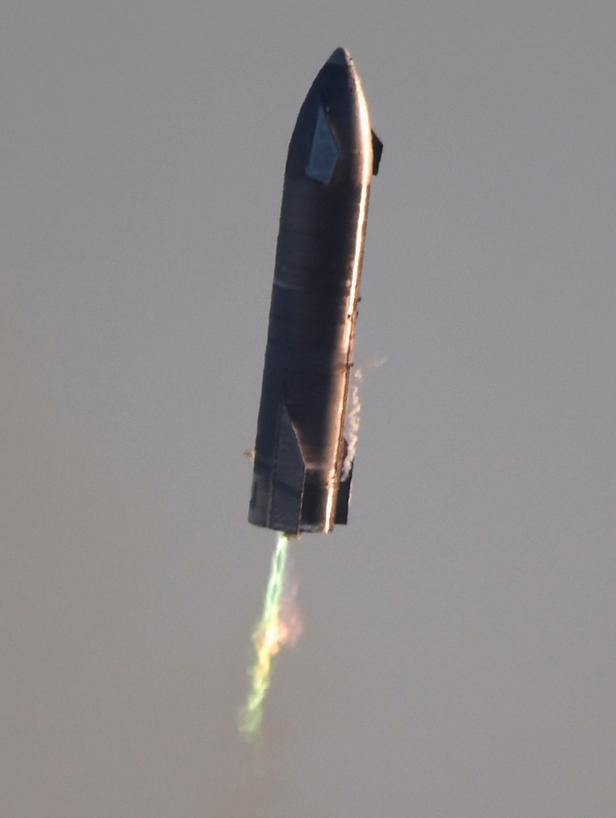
<point>301,481</point>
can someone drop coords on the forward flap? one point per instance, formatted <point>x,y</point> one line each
<point>377,152</point>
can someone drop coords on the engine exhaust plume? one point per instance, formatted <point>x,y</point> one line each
<point>279,625</point>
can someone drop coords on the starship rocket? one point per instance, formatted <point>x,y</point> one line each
<point>300,480</point>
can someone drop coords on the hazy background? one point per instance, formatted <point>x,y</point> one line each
<point>459,649</point>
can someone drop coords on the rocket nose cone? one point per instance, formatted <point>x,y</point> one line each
<point>340,57</point>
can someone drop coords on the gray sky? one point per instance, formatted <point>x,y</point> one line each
<point>458,655</point>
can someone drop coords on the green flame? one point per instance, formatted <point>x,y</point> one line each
<point>267,637</point>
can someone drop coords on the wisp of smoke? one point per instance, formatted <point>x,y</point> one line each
<point>352,422</point>
<point>354,413</point>
<point>279,625</point>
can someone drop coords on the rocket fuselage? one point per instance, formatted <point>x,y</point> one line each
<point>298,479</point>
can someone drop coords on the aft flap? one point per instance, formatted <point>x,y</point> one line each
<point>288,476</point>
<point>344,496</point>
<point>377,152</point>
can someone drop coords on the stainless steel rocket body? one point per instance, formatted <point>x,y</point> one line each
<point>298,479</point>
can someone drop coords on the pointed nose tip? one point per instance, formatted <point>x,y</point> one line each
<point>340,57</point>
